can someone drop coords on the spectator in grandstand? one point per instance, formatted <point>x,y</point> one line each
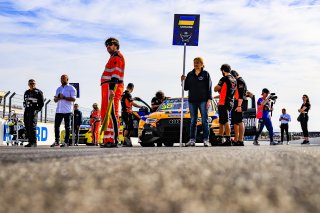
<point>65,96</point>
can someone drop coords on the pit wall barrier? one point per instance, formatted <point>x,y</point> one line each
<point>45,133</point>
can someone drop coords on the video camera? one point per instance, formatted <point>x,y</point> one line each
<point>273,97</point>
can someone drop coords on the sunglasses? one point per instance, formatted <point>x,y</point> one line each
<point>32,83</point>
<point>109,44</point>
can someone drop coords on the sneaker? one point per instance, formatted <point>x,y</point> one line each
<point>191,143</point>
<point>256,143</point>
<point>31,145</point>
<point>305,142</point>
<point>206,142</point>
<point>127,142</point>
<point>280,143</point>
<point>55,144</point>
<point>288,142</point>
<point>64,145</point>
<point>273,143</point>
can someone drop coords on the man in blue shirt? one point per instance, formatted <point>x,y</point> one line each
<point>65,96</point>
<point>264,116</point>
<point>284,119</point>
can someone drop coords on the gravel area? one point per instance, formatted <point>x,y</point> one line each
<point>178,179</point>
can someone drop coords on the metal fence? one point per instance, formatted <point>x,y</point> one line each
<point>11,102</point>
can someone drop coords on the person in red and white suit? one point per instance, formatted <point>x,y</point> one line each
<point>111,76</point>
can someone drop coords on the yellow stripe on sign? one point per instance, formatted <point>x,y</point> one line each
<point>188,23</point>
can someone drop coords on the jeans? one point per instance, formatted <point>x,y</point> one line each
<point>193,107</point>
<point>265,122</point>
<point>67,123</point>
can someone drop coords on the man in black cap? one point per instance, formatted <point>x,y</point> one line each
<point>33,103</point>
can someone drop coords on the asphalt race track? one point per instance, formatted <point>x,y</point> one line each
<point>283,178</point>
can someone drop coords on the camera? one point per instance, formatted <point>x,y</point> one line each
<point>273,97</point>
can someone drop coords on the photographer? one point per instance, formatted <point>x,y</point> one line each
<point>263,115</point>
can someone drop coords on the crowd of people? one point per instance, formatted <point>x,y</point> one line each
<point>232,102</point>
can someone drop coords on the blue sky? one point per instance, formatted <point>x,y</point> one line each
<point>273,44</point>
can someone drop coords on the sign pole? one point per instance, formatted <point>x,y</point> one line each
<point>182,97</point>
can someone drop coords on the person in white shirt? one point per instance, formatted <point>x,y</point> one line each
<point>284,119</point>
<point>65,96</point>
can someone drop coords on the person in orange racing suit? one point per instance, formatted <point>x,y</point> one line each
<point>95,122</point>
<point>113,75</point>
<point>126,114</point>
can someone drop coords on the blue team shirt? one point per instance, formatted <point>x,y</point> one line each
<point>266,108</point>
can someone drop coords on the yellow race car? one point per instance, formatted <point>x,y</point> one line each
<point>163,126</point>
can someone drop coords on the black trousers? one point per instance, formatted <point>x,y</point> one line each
<point>67,123</point>
<point>284,127</point>
<point>30,118</point>
<point>304,124</point>
<point>76,133</point>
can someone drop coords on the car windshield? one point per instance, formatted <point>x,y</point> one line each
<point>173,104</point>
<point>86,121</point>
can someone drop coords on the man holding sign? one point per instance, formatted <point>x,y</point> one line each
<point>111,91</point>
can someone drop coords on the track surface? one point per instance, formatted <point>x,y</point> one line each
<point>177,179</point>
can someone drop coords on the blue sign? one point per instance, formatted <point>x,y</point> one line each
<point>41,134</point>
<point>77,86</point>
<point>186,29</point>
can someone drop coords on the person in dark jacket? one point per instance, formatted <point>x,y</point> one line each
<point>33,103</point>
<point>198,83</point>
<point>77,122</point>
